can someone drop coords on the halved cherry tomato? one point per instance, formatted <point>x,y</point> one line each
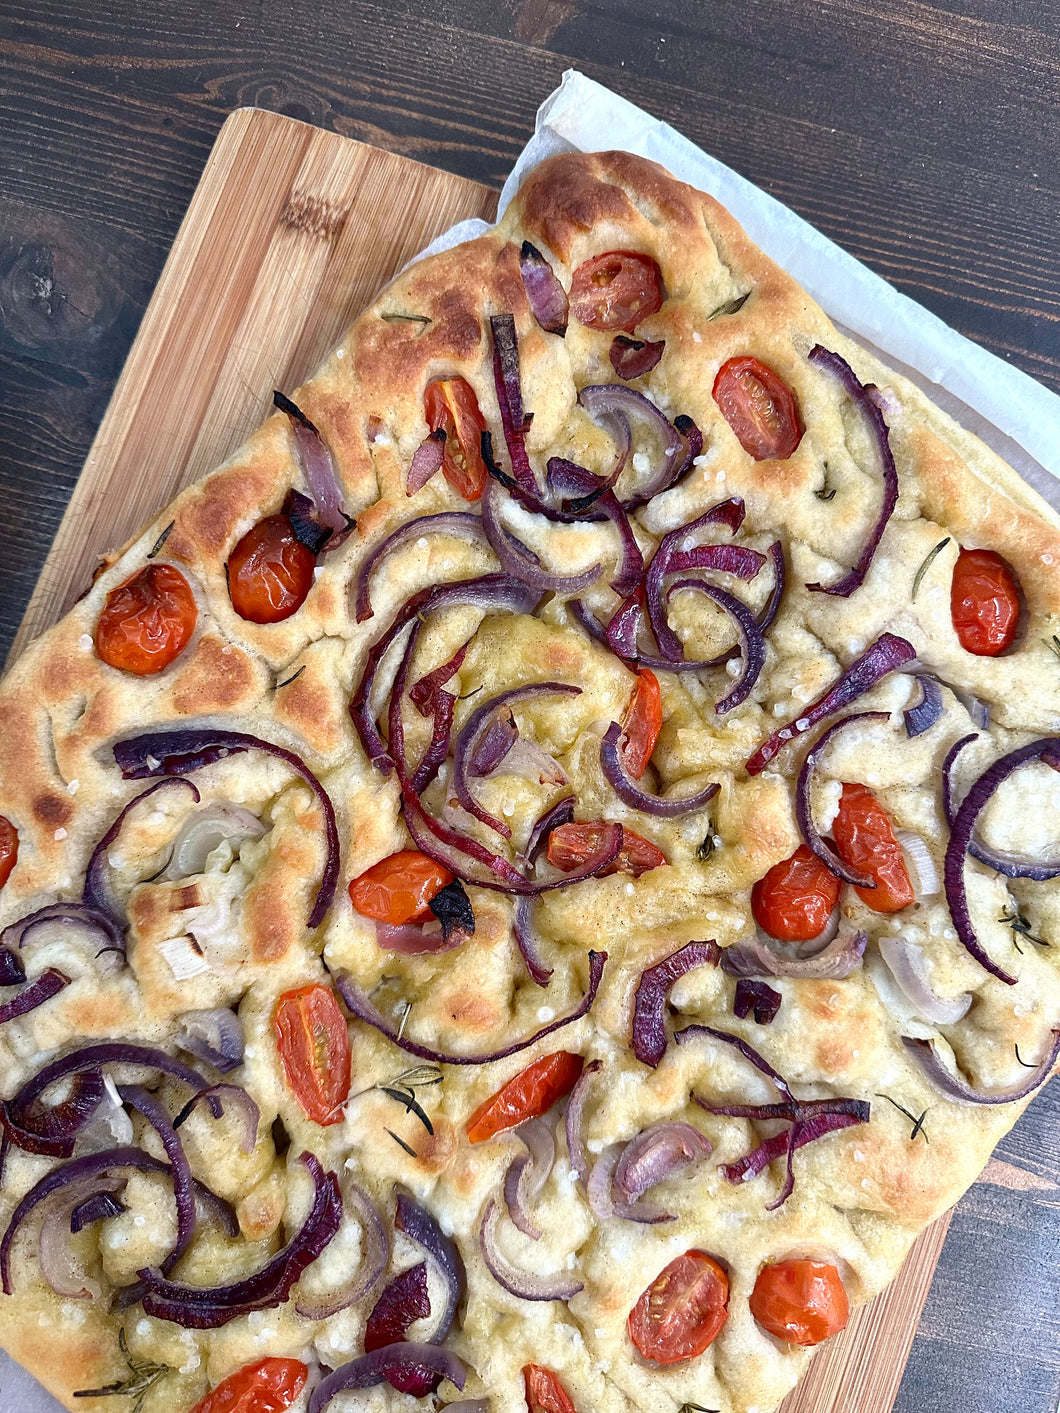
<point>147,621</point>
<point>314,1048</point>
<point>529,1094</point>
<point>270,571</point>
<point>569,845</point>
<point>615,291</point>
<point>759,407</point>
<point>269,1386</point>
<point>641,724</point>
<point>399,888</point>
<point>682,1311</point>
<point>984,602</point>
<point>795,899</point>
<point>803,1302</point>
<point>865,840</point>
<point>8,848</point>
<point>450,405</point>
<point>544,1392</point>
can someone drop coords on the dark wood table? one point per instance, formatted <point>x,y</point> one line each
<point>923,137</point>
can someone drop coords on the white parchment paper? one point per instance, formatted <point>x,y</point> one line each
<point>1015,415</point>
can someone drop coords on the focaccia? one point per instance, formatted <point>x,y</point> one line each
<point>535,878</point>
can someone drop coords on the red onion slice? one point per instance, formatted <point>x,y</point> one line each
<point>375,1255</point>
<point>414,940</point>
<point>576,1151</point>
<point>885,655</point>
<point>221,1098</point>
<point>904,962</point>
<point>521,562</point>
<point>547,297</point>
<point>612,405</point>
<point>418,1368</point>
<point>460,523</point>
<point>752,644</point>
<point>317,465</point>
<point>424,693</point>
<point>12,971</point>
<point>922,715</point>
<point>627,789</point>
<point>692,446</point>
<point>359,1005</point>
<point>653,989</point>
<point>658,1153</point>
<point>1000,860</point>
<point>183,1191</point>
<point>756,996</point>
<point>562,812</point>
<point>215,1036</point>
<point>527,1174</point>
<point>99,1207</point>
<point>832,961</point>
<point>33,994</point>
<point>729,513</point>
<point>420,1226</point>
<point>96,895</point>
<point>876,427</point>
<point>510,398</point>
<point>959,1091</point>
<point>438,749</point>
<point>804,795</point>
<point>595,500</point>
<point>524,1284</point>
<point>101,936</point>
<point>526,939</point>
<point>426,461</point>
<point>58,1265</point>
<point>632,358</point>
<point>402,1302</point>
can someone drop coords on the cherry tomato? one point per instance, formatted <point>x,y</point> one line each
<point>759,407</point>
<point>801,1301</point>
<point>314,1048</point>
<point>642,724</point>
<point>616,291</point>
<point>270,571</point>
<point>147,621</point>
<point>984,602</point>
<point>530,1093</point>
<point>266,1387</point>
<point>399,888</point>
<point>796,898</point>
<point>450,404</point>
<point>682,1311</point>
<point>865,840</point>
<point>544,1392</point>
<point>8,849</point>
<point>569,845</point>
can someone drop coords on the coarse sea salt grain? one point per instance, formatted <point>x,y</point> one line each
<point>85,642</point>
<point>60,834</point>
<point>73,786</point>
<point>697,337</point>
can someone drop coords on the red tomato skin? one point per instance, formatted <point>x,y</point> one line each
<point>984,602</point>
<point>270,572</point>
<point>450,405</point>
<point>314,1047</point>
<point>527,1095</point>
<point>269,1386</point>
<point>544,1392</point>
<point>613,292</point>
<point>795,899</point>
<point>399,888</point>
<point>8,848</point>
<point>865,840</point>
<point>642,724</point>
<point>569,845</point>
<point>802,1302</point>
<point>759,407</point>
<point>146,622</point>
<point>681,1313</point>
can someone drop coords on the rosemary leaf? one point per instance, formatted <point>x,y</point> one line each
<point>163,537</point>
<point>288,680</point>
<point>401,1143</point>
<point>406,319</point>
<point>928,560</point>
<point>918,1123</point>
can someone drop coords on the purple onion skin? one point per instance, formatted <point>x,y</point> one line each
<point>836,960</point>
<point>183,1188</point>
<point>546,296</point>
<point>632,358</point>
<point>752,644</point>
<point>526,941</point>
<point>957,1089</point>
<point>1011,867</point>
<point>412,1218</point>
<point>756,996</point>
<point>180,752</point>
<point>12,972</point>
<point>524,1284</point>
<point>885,655</point>
<point>649,1007</point>
<point>926,712</point>
<point>426,461</point>
<point>98,1208</point>
<point>402,1302</point>
<point>877,427</point>
<point>20,933</point>
<point>380,1365</point>
<point>804,814</point>
<point>562,812</point>
<point>34,994</point>
<point>95,893</point>
<point>630,792</point>
<point>448,522</point>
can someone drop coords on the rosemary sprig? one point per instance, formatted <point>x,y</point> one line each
<point>710,842</point>
<point>826,492</point>
<point>918,1123</point>
<point>402,1089</point>
<point>406,319</point>
<point>1021,927</point>
<point>1053,644</point>
<point>143,1378</point>
<point>1020,1060</point>
<point>926,565</point>
<point>163,537</point>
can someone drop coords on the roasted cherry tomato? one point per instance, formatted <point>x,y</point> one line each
<point>147,621</point>
<point>760,409</point>
<point>569,845</point>
<point>399,888</point>
<point>616,291</point>
<point>532,1092</point>
<point>801,1301</point>
<point>8,849</point>
<point>270,571</point>
<point>642,724</point>
<point>796,898</point>
<point>269,1386</point>
<point>984,602</point>
<point>865,840</point>
<point>450,405</point>
<point>682,1310</point>
<point>314,1048</point>
<point>544,1392</point>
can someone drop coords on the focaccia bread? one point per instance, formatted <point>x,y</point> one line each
<point>687,1002</point>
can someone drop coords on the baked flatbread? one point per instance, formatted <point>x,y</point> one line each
<point>865,557</point>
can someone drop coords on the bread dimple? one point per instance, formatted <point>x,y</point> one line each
<point>860,1194</point>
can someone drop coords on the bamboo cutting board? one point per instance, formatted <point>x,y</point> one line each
<point>290,233</point>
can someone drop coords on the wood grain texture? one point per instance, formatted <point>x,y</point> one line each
<point>920,134</point>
